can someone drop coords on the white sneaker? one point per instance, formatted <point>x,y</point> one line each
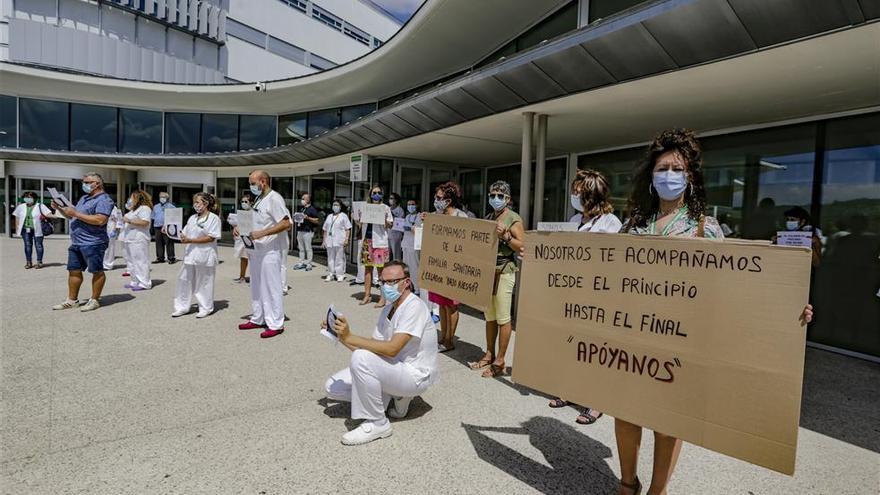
<point>340,278</point>
<point>91,305</point>
<point>366,433</point>
<point>328,278</point>
<point>68,304</point>
<point>180,313</point>
<point>400,407</point>
<point>202,314</point>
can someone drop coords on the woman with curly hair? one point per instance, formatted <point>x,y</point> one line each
<point>668,199</point>
<point>136,239</point>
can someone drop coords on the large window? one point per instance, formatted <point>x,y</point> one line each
<point>140,131</point>
<point>560,22</point>
<point>323,121</point>
<point>182,132</point>
<point>93,128</point>
<point>43,124</point>
<point>352,113</point>
<point>8,130</point>
<point>291,128</point>
<point>219,133</point>
<point>257,131</point>
<point>600,9</point>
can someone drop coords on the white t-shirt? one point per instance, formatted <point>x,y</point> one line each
<point>137,233</point>
<point>380,233</point>
<point>269,210</point>
<point>412,220</point>
<point>606,224</point>
<point>334,227</point>
<point>420,353</point>
<point>202,254</point>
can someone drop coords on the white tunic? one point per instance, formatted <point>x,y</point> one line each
<point>335,226</point>
<point>607,223</point>
<point>269,210</point>
<point>137,233</point>
<point>202,253</point>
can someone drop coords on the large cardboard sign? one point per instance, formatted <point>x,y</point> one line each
<point>693,338</point>
<point>458,258</point>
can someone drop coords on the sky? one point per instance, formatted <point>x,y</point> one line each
<point>401,9</point>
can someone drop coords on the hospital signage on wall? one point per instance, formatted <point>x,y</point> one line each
<point>357,165</point>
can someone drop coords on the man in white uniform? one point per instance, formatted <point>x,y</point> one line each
<point>400,361</point>
<point>271,219</point>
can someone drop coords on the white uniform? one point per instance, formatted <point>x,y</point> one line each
<point>285,236</point>
<point>410,255</point>
<point>136,240</point>
<point>335,232</point>
<point>239,251</point>
<point>607,223</point>
<point>395,237</point>
<point>371,380</point>
<point>114,227</point>
<point>199,264</point>
<point>267,299</point>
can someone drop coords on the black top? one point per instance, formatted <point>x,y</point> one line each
<point>307,226</point>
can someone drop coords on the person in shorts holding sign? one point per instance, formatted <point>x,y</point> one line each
<point>668,199</point>
<point>447,200</point>
<point>200,258</point>
<point>375,251</point>
<point>399,362</point>
<point>29,217</point>
<point>509,227</point>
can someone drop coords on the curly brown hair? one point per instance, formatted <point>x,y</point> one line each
<point>643,201</point>
<point>452,192</point>
<point>141,198</point>
<point>594,191</point>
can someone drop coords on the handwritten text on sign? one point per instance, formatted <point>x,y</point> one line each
<point>697,339</point>
<point>458,258</point>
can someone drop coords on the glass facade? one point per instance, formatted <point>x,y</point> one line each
<point>182,132</point>
<point>560,22</point>
<point>219,133</point>
<point>352,113</point>
<point>257,131</point>
<point>323,121</point>
<point>44,124</point>
<point>8,119</point>
<point>829,168</point>
<point>600,9</point>
<point>140,131</point>
<point>292,128</point>
<point>93,128</point>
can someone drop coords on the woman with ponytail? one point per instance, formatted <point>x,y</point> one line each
<point>200,260</point>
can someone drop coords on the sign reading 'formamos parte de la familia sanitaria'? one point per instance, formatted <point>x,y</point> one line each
<point>694,338</point>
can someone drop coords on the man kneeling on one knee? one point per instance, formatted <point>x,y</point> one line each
<point>399,362</point>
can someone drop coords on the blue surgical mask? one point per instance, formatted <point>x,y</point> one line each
<point>128,204</point>
<point>256,190</point>
<point>411,208</point>
<point>441,204</point>
<point>497,203</point>
<point>576,203</point>
<point>376,197</point>
<point>792,225</point>
<point>337,208</point>
<point>245,206</point>
<point>390,292</point>
<point>29,201</point>
<point>87,188</point>
<point>670,185</point>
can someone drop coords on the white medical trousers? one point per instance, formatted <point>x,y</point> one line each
<point>198,280</point>
<point>370,382</point>
<point>336,260</point>
<point>110,255</point>
<point>304,243</point>
<point>267,299</point>
<point>138,256</point>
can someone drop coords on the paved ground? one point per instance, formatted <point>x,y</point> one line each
<point>127,400</point>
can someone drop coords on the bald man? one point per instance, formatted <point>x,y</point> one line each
<point>271,221</point>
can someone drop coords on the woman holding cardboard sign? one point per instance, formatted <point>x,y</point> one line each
<point>668,199</point>
<point>374,248</point>
<point>447,199</point>
<point>509,227</point>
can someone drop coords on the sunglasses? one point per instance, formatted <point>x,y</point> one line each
<point>497,196</point>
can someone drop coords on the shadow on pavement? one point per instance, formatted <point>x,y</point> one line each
<point>577,462</point>
<point>115,298</point>
<point>50,265</point>
<point>157,282</point>
<point>841,398</point>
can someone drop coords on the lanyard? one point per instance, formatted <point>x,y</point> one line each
<point>201,225</point>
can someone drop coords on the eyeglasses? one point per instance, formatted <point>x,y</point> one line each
<point>497,196</point>
<point>439,198</point>
<point>392,282</point>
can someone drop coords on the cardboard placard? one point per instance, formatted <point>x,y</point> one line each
<point>693,338</point>
<point>417,238</point>
<point>373,213</point>
<point>557,227</point>
<point>794,238</point>
<point>458,258</point>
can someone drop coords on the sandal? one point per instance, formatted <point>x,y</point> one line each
<point>635,487</point>
<point>442,348</point>
<point>558,402</point>
<point>585,418</point>
<point>482,363</point>
<point>494,371</point>
<point>28,266</point>
<point>364,302</point>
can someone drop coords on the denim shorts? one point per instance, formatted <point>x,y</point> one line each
<point>89,256</point>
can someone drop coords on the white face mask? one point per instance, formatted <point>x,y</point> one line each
<point>792,225</point>
<point>163,200</point>
<point>245,206</point>
<point>576,203</point>
<point>337,208</point>
<point>200,208</point>
<point>29,201</point>
<point>256,190</point>
<point>303,202</point>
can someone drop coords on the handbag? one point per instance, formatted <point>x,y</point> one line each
<point>45,225</point>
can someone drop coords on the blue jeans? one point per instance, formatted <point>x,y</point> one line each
<point>29,240</point>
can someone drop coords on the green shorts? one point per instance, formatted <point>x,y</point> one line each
<point>499,308</point>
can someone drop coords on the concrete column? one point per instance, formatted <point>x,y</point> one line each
<point>525,180</point>
<point>540,168</point>
<point>121,184</point>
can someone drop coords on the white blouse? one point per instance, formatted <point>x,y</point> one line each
<point>204,254</point>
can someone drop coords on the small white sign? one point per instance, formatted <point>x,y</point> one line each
<point>557,227</point>
<point>299,217</point>
<point>232,219</point>
<point>796,238</point>
<point>330,321</point>
<point>173,222</point>
<point>245,221</point>
<point>357,168</point>
<point>417,238</point>
<point>374,214</point>
<point>399,224</point>
<point>59,198</point>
